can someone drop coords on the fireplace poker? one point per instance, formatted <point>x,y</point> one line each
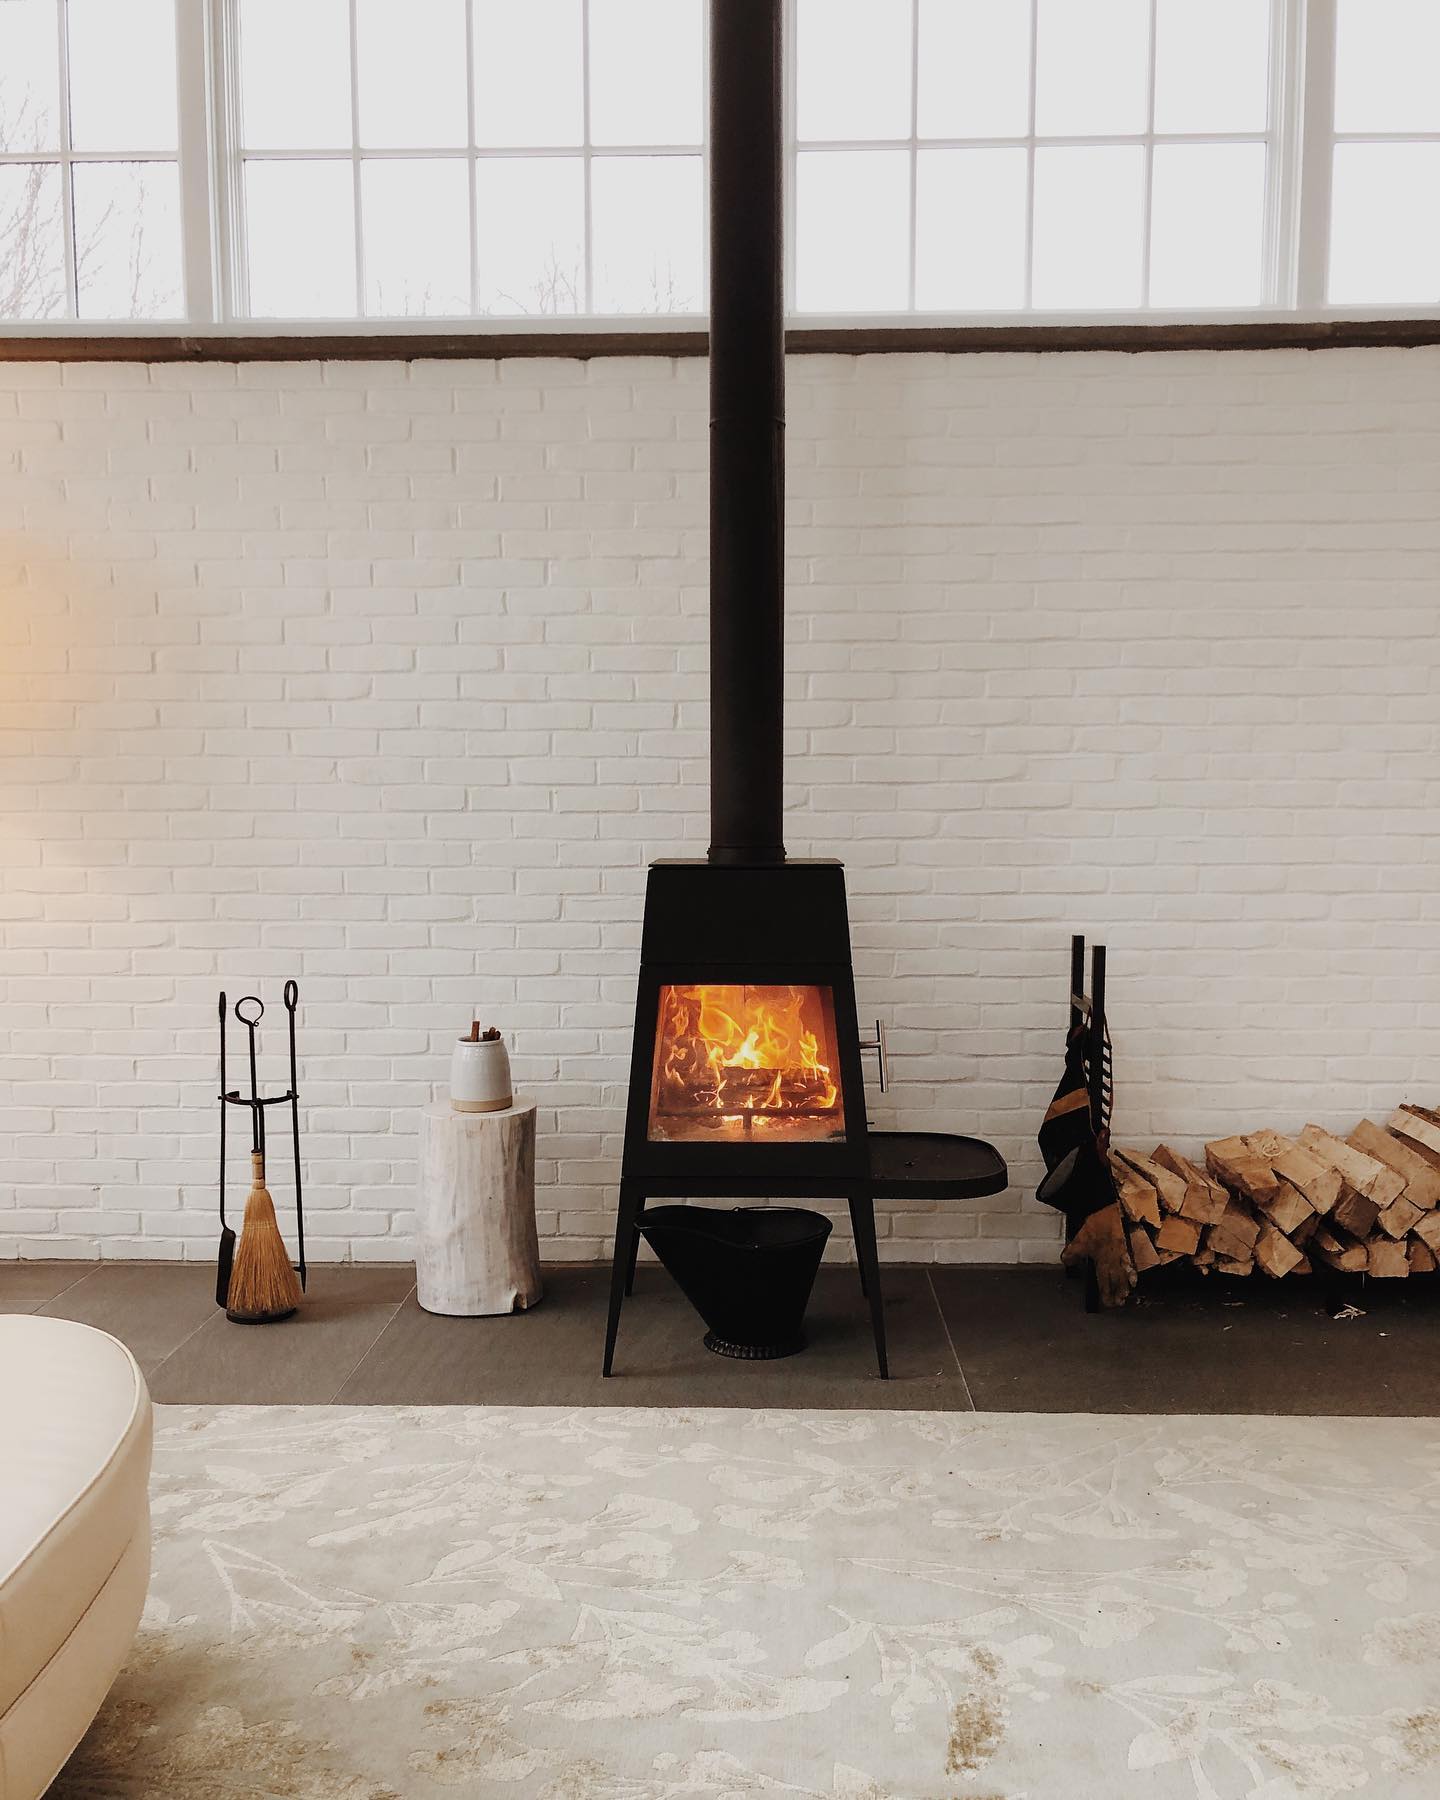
<point>226,1257</point>
<point>292,1000</point>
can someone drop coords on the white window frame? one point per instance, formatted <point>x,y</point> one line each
<point>1300,139</point>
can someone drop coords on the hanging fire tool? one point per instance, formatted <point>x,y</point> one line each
<point>255,1281</point>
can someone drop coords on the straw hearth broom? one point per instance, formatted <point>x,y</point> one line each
<point>263,1285</point>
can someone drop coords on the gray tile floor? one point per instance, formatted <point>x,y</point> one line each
<point>992,1339</point>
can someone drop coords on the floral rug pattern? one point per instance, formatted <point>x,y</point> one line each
<point>406,1603</point>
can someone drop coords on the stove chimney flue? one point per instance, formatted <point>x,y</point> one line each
<point>747,432</point>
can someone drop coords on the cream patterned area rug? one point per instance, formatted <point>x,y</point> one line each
<point>363,1603</point>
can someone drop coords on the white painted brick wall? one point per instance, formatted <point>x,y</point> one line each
<point>393,678</point>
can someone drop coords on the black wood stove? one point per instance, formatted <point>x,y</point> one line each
<point>745,1081</point>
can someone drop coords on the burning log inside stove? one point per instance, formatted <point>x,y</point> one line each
<point>731,1057</point>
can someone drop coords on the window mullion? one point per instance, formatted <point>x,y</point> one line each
<point>588,221</point>
<point>1315,151</point>
<point>196,141</point>
<point>232,269</point>
<point>914,147</point>
<point>355,159</point>
<point>1148,203</point>
<point>790,28</point>
<point>470,161</point>
<point>1030,157</point>
<point>67,186</point>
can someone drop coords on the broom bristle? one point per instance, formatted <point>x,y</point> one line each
<point>263,1285</point>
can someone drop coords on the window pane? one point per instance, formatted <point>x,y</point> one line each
<point>1089,216</point>
<point>1387,65</point>
<point>300,237</point>
<point>410,69</point>
<point>127,240</point>
<point>1377,252</point>
<point>29,75</point>
<point>970,230</point>
<point>1207,213</point>
<point>1093,67</point>
<point>530,234</point>
<point>122,74</point>
<point>852,69</point>
<point>646,58</point>
<point>974,69</point>
<point>295,74</point>
<point>646,228</point>
<point>1212,65</point>
<point>32,242</point>
<point>415,229</point>
<point>852,231</point>
<point>529,86</point>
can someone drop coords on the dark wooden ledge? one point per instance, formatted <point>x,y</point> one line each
<point>810,340</point>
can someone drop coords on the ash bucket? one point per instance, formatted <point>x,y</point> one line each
<point>748,1271</point>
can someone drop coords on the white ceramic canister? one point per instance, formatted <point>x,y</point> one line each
<point>480,1073</point>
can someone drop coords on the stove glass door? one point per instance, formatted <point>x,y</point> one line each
<point>742,1064</point>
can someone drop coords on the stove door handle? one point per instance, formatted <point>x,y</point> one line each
<point>882,1054</point>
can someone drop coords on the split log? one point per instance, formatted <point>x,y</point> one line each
<point>1363,1173</point>
<point>1339,1252</point>
<point>1427,1229</point>
<point>1387,1258</point>
<point>1232,1245</point>
<point>1287,1209</point>
<point>1169,1187</point>
<point>1400,1217</point>
<point>1421,1257</point>
<point>1275,1254</point>
<point>1205,1199</point>
<point>1356,1214</point>
<point>1142,1249</point>
<point>1303,1232</point>
<point>1229,1265</point>
<point>1240,1225</point>
<point>1180,1235</point>
<point>1138,1200</point>
<point>1419,1129</point>
<point>1422,1182</point>
<point>1233,1162</point>
<point>1319,1181</point>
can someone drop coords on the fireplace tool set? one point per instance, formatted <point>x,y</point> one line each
<point>255,1280</point>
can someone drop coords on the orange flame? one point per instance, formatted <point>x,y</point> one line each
<point>715,1040</point>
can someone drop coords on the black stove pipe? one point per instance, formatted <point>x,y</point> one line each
<point>747,432</point>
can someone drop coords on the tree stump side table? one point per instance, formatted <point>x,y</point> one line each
<point>476,1249</point>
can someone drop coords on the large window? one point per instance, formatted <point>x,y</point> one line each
<point>218,161</point>
<point>89,166</point>
<point>433,157</point>
<point>1046,154</point>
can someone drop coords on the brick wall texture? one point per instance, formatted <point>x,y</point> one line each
<point>393,677</point>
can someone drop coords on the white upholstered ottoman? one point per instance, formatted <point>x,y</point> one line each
<point>74,1536</point>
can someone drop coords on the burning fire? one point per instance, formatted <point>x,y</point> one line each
<point>743,1051</point>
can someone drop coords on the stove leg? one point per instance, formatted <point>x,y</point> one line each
<point>862,1223</point>
<point>627,1237</point>
<point>634,1252</point>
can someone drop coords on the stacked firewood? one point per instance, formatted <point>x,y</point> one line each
<point>1365,1204</point>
